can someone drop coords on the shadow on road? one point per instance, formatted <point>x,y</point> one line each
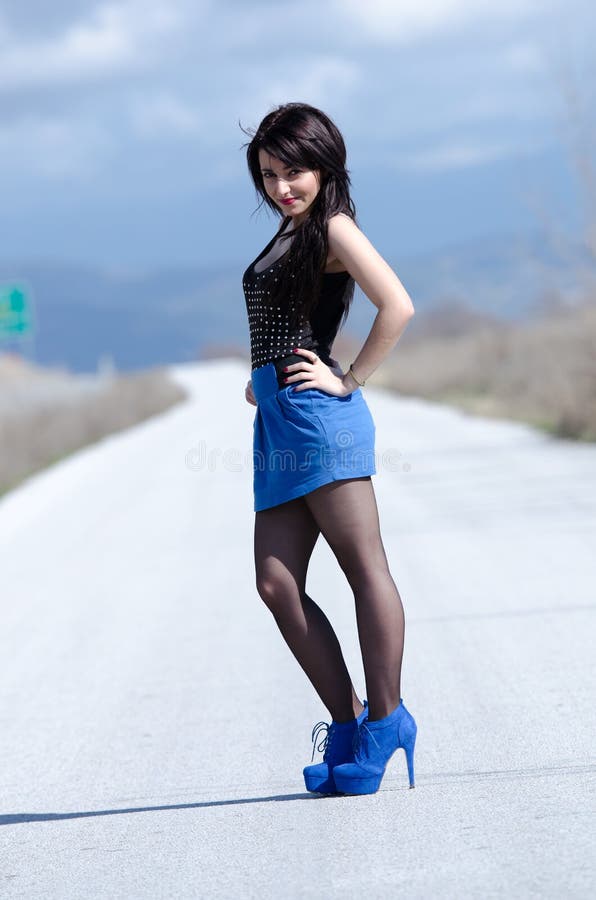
<point>430,780</point>
<point>19,818</point>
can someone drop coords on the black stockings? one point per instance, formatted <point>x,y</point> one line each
<point>345,512</point>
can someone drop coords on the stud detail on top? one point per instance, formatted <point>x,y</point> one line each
<point>271,332</point>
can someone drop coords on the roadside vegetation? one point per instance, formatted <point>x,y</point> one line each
<point>542,371</point>
<point>47,414</point>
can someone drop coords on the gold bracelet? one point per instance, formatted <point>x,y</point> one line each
<point>351,371</point>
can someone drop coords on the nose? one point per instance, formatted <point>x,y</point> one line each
<point>282,188</point>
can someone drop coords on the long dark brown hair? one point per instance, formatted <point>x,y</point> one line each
<point>301,135</point>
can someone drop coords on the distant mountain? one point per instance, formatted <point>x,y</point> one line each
<point>85,314</point>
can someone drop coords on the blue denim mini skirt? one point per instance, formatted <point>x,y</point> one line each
<point>304,439</point>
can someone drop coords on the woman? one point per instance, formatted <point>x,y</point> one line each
<point>314,439</point>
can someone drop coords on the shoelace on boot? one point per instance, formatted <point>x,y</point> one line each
<point>357,739</point>
<point>325,743</point>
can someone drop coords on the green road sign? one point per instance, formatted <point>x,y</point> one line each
<point>16,311</point>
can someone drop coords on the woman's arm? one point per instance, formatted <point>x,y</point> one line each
<point>380,284</point>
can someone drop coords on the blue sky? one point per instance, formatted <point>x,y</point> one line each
<point>119,136</point>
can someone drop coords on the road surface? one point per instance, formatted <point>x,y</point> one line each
<point>154,727</point>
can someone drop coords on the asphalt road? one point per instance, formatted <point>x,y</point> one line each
<point>153,725</point>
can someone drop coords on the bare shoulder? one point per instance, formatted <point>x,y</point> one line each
<point>343,235</point>
<point>341,221</point>
<point>346,240</point>
<point>350,246</point>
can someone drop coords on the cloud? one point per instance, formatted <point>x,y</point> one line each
<point>524,56</point>
<point>121,89</point>
<point>386,21</point>
<point>318,81</point>
<point>165,116</point>
<point>112,37</point>
<point>462,154</point>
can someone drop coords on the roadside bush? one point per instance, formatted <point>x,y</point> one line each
<point>541,371</point>
<point>37,433</point>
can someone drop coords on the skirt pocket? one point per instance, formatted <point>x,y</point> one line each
<point>346,421</point>
<point>298,404</point>
<point>297,411</point>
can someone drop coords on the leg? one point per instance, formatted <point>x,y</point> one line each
<point>284,539</point>
<point>347,515</point>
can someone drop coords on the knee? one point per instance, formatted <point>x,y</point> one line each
<point>364,573</point>
<point>271,591</point>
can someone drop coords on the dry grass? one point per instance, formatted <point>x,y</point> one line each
<point>48,427</point>
<point>541,372</point>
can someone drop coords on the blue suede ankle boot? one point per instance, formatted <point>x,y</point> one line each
<point>338,748</point>
<point>376,744</point>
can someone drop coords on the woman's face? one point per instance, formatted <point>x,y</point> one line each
<point>296,185</point>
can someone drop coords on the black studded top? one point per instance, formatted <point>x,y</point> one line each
<point>271,335</point>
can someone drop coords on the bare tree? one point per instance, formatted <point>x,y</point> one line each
<point>575,130</point>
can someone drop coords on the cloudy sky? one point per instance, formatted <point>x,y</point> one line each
<point>120,140</point>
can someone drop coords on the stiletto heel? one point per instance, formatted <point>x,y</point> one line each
<point>377,742</point>
<point>409,751</point>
